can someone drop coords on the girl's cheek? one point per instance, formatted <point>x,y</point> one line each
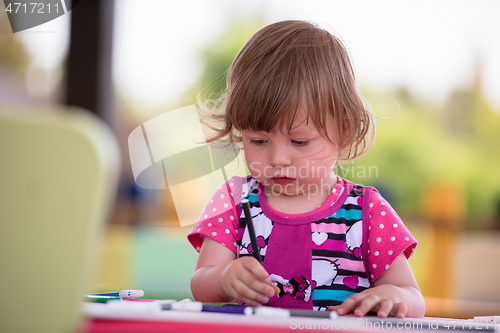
<point>253,166</point>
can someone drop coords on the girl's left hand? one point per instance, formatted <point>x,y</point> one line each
<point>395,294</point>
<point>378,299</point>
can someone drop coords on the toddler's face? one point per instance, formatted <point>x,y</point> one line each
<point>299,162</point>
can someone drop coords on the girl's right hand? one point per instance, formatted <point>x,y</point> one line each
<point>246,280</point>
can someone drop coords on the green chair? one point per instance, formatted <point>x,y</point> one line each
<point>58,175</point>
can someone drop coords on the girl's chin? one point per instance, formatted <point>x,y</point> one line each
<point>290,190</point>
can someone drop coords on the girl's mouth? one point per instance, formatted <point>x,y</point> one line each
<point>283,180</point>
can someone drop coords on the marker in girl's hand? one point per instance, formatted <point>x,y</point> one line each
<point>251,230</point>
<point>255,245</point>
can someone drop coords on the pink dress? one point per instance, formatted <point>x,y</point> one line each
<point>319,258</point>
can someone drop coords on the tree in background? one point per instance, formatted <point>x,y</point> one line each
<point>417,143</point>
<point>218,58</point>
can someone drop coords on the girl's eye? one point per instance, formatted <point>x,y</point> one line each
<point>257,142</point>
<point>300,142</point>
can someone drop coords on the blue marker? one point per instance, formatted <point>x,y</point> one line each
<point>103,297</point>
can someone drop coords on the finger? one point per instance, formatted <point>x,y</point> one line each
<point>240,271</point>
<point>259,273</point>
<point>349,304</point>
<point>368,303</point>
<point>401,310</point>
<point>246,294</point>
<point>386,305</point>
<point>258,278</point>
<point>249,301</point>
<point>276,289</point>
<point>265,289</point>
<point>255,267</point>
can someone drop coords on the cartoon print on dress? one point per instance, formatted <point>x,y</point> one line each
<point>351,281</point>
<point>248,186</point>
<point>324,272</point>
<point>298,286</point>
<point>263,228</point>
<point>319,237</point>
<point>354,238</point>
<point>261,241</point>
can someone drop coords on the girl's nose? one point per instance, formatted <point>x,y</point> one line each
<point>279,157</point>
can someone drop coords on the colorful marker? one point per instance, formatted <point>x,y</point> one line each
<point>260,311</point>
<point>200,307</point>
<point>104,297</point>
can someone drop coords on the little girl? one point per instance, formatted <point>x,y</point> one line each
<point>326,243</point>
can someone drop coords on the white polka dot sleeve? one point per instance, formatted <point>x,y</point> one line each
<point>387,237</point>
<point>219,219</point>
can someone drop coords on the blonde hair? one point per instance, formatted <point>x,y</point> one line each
<point>285,66</point>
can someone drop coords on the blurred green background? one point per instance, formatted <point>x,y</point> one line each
<point>428,151</point>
